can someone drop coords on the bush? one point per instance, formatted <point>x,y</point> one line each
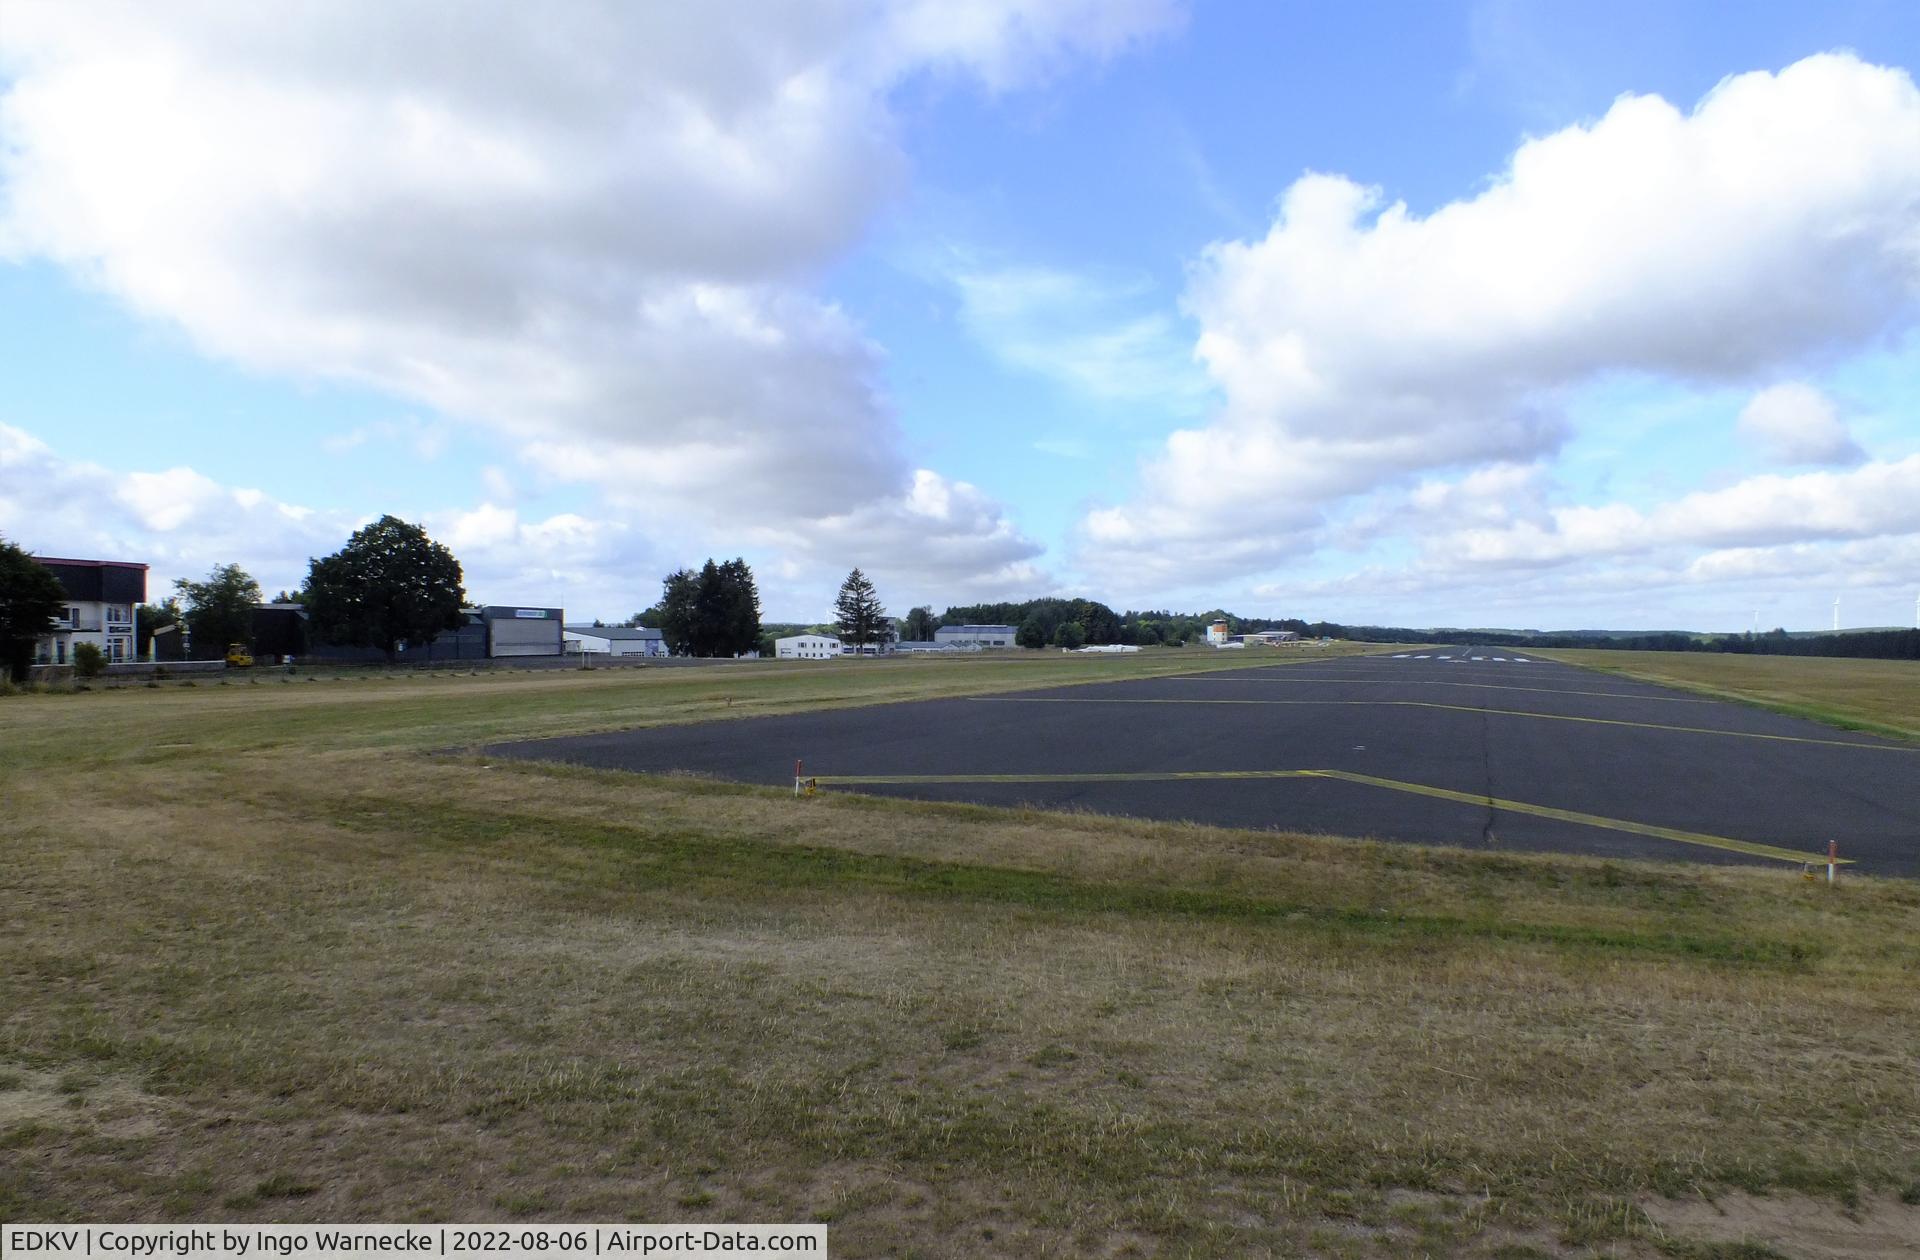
<point>88,660</point>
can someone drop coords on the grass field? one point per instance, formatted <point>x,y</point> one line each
<point>281,951</point>
<point>1878,696</point>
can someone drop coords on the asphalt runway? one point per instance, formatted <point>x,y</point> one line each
<point>1477,747</point>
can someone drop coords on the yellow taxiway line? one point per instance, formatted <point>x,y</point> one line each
<point>1724,843</point>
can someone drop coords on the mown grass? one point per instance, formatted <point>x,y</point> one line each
<point>276,953</point>
<point>1882,697</point>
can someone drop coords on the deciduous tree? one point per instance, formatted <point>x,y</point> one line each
<point>391,584</point>
<point>919,625</point>
<point>219,611</point>
<point>31,600</point>
<point>712,612</point>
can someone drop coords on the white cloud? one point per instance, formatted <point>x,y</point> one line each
<point>1098,337</point>
<point>1797,424</point>
<point>1359,342</point>
<point>182,523</point>
<point>1870,501</point>
<point>178,520</point>
<point>590,227</point>
<point>1489,549</point>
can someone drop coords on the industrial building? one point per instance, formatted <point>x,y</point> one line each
<point>282,632</point>
<point>807,647</point>
<point>1220,636</point>
<point>975,636</point>
<point>616,641</point>
<point>101,596</point>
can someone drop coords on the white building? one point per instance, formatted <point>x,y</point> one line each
<point>1219,633</point>
<point>101,595</point>
<point>616,641</point>
<point>807,647</point>
<point>975,636</point>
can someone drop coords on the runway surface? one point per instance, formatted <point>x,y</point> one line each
<point>1479,747</point>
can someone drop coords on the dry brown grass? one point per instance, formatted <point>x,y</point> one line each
<point>277,958</point>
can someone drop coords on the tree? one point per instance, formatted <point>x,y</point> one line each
<point>738,607</point>
<point>712,612</point>
<point>219,610</point>
<point>88,660</point>
<point>1032,632</point>
<point>390,585</point>
<point>675,614</point>
<point>148,618</point>
<point>31,600</point>
<point>1069,634</point>
<point>919,625</point>
<point>858,617</point>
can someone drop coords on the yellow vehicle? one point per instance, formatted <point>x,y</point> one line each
<point>238,657</point>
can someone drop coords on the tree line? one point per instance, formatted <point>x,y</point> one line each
<point>391,586</point>
<point>1899,645</point>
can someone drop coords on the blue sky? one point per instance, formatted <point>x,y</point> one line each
<point>1016,300</point>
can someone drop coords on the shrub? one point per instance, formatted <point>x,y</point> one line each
<point>88,660</point>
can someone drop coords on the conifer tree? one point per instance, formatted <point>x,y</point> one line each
<point>858,616</point>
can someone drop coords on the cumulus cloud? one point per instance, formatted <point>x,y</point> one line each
<point>1490,548</point>
<point>590,227</point>
<point>1359,342</point>
<point>1794,423</point>
<point>182,523</point>
<point>178,520</point>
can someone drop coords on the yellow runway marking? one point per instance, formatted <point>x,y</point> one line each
<point>1457,708</point>
<point>1574,816</point>
<point>1136,776</point>
<point>1436,682</point>
<point>1725,843</point>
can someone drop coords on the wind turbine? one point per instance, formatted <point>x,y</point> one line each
<point>1836,614</point>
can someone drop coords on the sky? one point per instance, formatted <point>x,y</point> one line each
<point>1545,316</point>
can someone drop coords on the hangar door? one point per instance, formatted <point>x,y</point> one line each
<point>534,635</point>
